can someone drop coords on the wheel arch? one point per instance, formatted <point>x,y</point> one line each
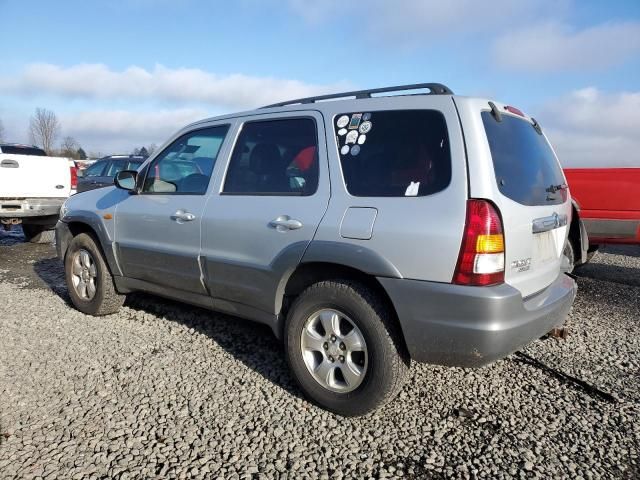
<point>76,227</point>
<point>578,235</point>
<point>308,273</point>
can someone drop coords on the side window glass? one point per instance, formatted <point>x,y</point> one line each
<point>134,165</point>
<point>394,153</point>
<point>186,165</point>
<point>115,167</point>
<point>95,170</point>
<point>275,157</point>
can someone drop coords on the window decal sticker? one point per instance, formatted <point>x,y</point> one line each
<point>362,139</point>
<point>342,131</point>
<point>344,150</point>
<point>355,121</point>
<point>352,136</point>
<point>342,121</point>
<point>412,189</point>
<point>365,127</point>
<point>366,116</point>
<point>355,150</point>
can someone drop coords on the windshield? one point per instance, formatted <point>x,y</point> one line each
<point>525,167</point>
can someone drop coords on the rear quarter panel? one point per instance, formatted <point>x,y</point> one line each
<point>412,237</point>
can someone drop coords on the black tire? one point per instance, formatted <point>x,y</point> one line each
<point>388,361</point>
<point>570,255</point>
<point>105,300</point>
<point>38,233</point>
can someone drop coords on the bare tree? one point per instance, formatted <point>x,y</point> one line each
<point>1,131</point>
<point>44,128</point>
<point>69,147</point>
<point>152,148</point>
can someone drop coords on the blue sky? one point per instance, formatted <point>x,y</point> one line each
<point>121,74</point>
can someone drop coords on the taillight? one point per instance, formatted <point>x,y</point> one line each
<point>481,259</point>
<point>74,177</point>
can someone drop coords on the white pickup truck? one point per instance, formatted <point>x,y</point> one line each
<point>33,187</point>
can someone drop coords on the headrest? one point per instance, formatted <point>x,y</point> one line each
<point>265,158</point>
<point>305,158</point>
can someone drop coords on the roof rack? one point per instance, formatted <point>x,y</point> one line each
<point>434,89</point>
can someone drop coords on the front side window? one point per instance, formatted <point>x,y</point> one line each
<point>394,153</point>
<point>134,164</point>
<point>95,170</point>
<point>186,165</point>
<point>116,167</point>
<point>275,157</point>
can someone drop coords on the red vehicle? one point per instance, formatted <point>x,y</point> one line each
<point>606,207</point>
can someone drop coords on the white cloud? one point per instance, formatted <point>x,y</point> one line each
<point>589,127</point>
<point>410,22</point>
<point>552,47</point>
<point>181,85</point>
<point>119,131</point>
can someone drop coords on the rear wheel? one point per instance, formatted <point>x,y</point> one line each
<point>38,233</point>
<point>89,281</point>
<point>569,260</point>
<point>343,348</point>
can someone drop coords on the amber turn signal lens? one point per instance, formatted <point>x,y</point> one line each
<point>490,243</point>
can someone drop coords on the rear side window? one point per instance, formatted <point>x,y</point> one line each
<point>275,157</point>
<point>394,153</point>
<point>526,169</point>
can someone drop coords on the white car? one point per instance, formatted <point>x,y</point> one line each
<point>33,187</point>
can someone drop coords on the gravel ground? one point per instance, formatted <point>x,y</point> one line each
<point>164,390</point>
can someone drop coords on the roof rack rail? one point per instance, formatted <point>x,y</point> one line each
<point>434,89</point>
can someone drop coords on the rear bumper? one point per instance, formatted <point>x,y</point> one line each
<point>30,207</point>
<point>464,326</point>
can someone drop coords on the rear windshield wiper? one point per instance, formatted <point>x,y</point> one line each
<point>554,188</point>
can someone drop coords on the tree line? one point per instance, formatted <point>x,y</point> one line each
<point>44,130</point>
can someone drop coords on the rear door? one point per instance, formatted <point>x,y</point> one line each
<point>529,188</point>
<point>31,176</point>
<point>267,208</point>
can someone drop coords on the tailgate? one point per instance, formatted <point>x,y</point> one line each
<point>28,176</point>
<point>533,199</point>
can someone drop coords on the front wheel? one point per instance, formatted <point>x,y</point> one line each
<point>344,349</point>
<point>88,278</point>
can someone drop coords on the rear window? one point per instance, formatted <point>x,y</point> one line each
<point>18,150</point>
<point>394,153</point>
<point>526,169</point>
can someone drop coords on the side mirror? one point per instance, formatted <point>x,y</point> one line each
<point>126,180</point>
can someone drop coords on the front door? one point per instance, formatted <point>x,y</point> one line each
<point>266,210</point>
<point>158,229</point>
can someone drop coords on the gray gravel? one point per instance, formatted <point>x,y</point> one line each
<point>163,390</point>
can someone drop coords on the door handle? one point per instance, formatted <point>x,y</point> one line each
<point>540,225</point>
<point>182,216</point>
<point>284,223</point>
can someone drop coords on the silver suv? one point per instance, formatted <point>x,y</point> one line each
<point>366,229</point>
